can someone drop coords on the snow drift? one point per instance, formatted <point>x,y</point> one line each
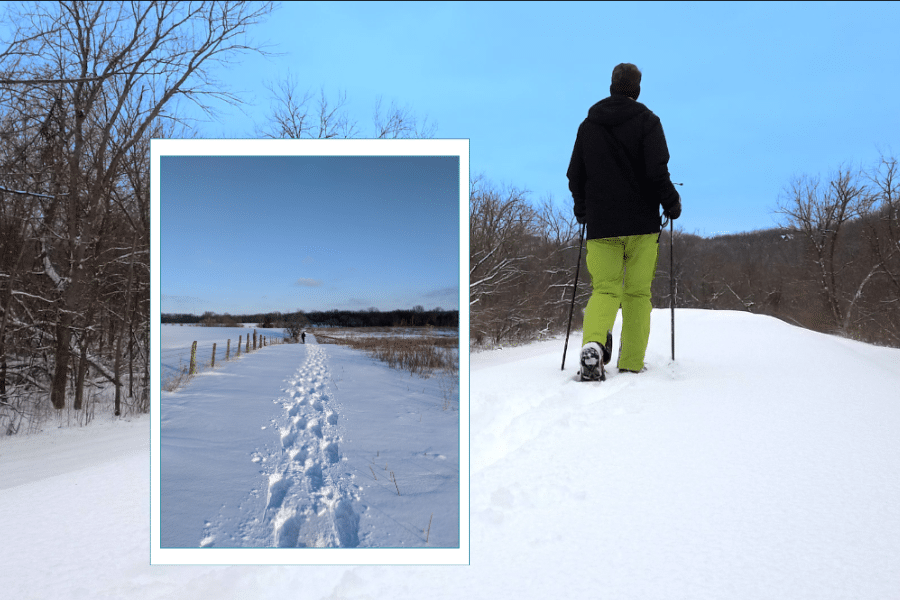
<point>763,463</point>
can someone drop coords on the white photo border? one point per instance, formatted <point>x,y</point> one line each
<point>310,556</point>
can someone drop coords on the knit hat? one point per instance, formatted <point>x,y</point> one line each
<point>626,80</point>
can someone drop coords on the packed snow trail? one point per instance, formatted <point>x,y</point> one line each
<point>309,503</point>
<point>762,464</point>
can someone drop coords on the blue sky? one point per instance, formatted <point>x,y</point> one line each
<point>749,95</point>
<point>246,234</point>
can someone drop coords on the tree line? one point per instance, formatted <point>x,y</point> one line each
<point>84,87</point>
<point>521,267</point>
<point>417,316</point>
<point>832,264</point>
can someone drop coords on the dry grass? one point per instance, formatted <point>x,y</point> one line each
<point>174,382</point>
<point>30,412</point>
<point>450,388</point>
<point>419,354</point>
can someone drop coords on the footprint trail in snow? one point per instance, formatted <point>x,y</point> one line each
<point>304,497</point>
<point>309,501</point>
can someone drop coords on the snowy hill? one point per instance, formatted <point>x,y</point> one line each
<point>764,463</point>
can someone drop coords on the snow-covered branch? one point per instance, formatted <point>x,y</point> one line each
<point>20,293</point>
<point>23,193</point>
<point>49,270</point>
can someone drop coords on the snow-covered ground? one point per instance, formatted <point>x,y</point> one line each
<point>764,463</point>
<point>308,446</point>
<point>176,340</point>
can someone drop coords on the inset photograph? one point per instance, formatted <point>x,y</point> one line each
<point>311,396</point>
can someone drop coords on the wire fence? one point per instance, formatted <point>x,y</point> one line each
<point>178,365</point>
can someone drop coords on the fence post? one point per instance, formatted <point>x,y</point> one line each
<point>193,357</point>
<point>247,347</point>
<point>240,337</point>
<point>228,350</point>
<point>254,339</point>
<point>213,364</point>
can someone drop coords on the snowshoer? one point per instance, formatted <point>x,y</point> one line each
<point>619,177</point>
<point>303,336</point>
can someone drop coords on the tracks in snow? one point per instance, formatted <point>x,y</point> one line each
<point>309,501</point>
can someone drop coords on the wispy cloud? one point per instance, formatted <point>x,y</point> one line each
<point>447,291</point>
<point>179,300</point>
<point>307,282</point>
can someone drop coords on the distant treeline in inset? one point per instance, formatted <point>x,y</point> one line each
<point>414,317</point>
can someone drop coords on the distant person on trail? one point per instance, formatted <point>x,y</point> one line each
<point>303,336</point>
<point>619,177</point>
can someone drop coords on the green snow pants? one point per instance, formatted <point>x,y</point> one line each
<point>622,269</point>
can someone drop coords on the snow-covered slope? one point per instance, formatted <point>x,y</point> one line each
<point>764,463</point>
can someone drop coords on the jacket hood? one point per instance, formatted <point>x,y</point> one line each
<point>615,110</point>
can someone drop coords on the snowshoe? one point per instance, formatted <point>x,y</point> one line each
<point>607,349</point>
<point>592,363</point>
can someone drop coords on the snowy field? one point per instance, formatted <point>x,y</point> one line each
<point>389,331</point>
<point>176,341</point>
<point>309,446</point>
<point>175,344</point>
<point>764,463</point>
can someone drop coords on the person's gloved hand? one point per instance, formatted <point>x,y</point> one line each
<point>581,220</point>
<point>674,211</point>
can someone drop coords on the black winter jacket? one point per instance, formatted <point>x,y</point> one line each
<point>619,173</point>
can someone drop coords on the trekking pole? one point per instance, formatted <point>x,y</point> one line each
<point>572,307</point>
<point>672,280</point>
<point>672,277</point>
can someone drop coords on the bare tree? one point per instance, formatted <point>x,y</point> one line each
<point>881,213</point>
<point>556,266</point>
<point>522,262</point>
<point>819,212</point>
<point>293,115</point>
<point>294,324</point>
<point>297,115</point>
<point>498,220</point>
<point>90,80</point>
<point>883,210</point>
<point>400,122</point>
